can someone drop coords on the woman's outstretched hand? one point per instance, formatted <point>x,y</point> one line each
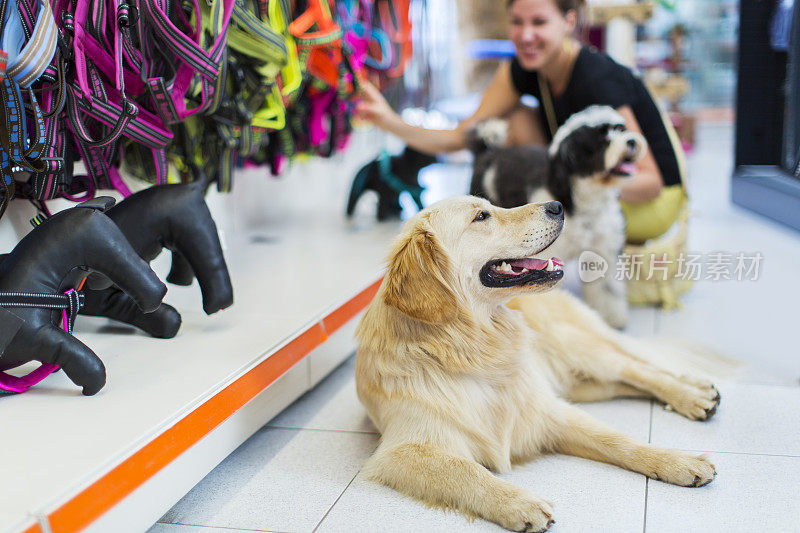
<point>373,107</point>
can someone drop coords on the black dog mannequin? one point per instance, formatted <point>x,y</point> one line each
<point>388,176</point>
<point>175,217</point>
<point>57,256</point>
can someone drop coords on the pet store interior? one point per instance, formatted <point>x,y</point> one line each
<point>202,211</point>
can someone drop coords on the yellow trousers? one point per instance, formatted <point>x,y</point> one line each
<point>647,220</point>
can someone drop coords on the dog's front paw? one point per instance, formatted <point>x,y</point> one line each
<point>698,402</point>
<point>684,469</point>
<point>525,513</point>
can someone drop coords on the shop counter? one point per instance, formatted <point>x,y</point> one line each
<point>171,410</point>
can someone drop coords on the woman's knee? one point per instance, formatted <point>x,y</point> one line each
<point>648,220</point>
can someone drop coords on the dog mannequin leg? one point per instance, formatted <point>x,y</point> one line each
<point>583,436</point>
<point>435,477</point>
<point>163,323</point>
<point>180,273</point>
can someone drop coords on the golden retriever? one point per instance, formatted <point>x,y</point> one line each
<point>462,380</point>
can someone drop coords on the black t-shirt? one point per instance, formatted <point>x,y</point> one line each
<point>598,79</point>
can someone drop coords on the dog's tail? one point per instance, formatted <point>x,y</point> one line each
<point>684,357</point>
<point>487,135</point>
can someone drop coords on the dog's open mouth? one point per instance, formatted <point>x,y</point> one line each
<point>511,272</point>
<point>627,163</point>
<point>624,169</point>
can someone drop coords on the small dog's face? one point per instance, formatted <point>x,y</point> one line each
<point>595,144</point>
<point>464,252</point>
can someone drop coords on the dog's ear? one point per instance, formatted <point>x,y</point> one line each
<point>559,179</point>
<point>418,279</point>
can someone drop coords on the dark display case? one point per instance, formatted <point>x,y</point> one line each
<point>767,168</point>
<point>791,136</point>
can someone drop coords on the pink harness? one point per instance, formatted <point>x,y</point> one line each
<point>69,303</point>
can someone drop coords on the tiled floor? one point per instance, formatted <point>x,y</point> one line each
<point>301,471</point>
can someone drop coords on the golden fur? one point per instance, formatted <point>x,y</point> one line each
<point>460,384</point>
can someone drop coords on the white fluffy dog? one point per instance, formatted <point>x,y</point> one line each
<point>588,159</point>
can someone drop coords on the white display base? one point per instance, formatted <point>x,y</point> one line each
<point>173,409</point>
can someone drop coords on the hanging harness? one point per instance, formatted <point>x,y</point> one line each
<point>29,44</point>
<point>197,87</point>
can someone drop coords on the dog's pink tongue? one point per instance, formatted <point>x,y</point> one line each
<point>627,168</point>
<point>531,263</point>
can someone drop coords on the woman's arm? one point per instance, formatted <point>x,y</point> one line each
<point>647,181</point>
<point>499,99</point>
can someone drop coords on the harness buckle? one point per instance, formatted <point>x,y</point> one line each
<point>127,15</point>
<point>68,22</point>
<point>130,109</point>
<point>66,50</point>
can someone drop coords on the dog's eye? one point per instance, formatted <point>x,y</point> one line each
<point>482,215</point>
<point>619,127</point>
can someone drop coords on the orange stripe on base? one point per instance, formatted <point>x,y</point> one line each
<point>35,528</point>
<point>117,484</point>
<point>346,312</point>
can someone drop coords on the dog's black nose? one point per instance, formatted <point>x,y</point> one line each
<point>554,209</point>
<point>632,144</point>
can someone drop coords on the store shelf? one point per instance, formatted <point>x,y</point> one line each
<point>173,409</point>
<point>599,14</point>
